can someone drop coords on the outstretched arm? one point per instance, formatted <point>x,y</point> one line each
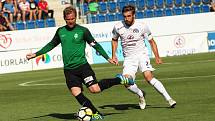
<point>53,43</point>
<point>155,51</point>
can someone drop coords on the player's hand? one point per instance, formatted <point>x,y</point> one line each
<point>30,56</point>
<point>115,60</point>
<point>158,61</point>
<point>111,61</point>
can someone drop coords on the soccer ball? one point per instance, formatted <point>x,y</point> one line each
<point>84,114</point>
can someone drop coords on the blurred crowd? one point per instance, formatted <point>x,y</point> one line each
<point>12,11</point>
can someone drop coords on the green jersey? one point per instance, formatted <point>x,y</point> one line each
<point>73,42</point>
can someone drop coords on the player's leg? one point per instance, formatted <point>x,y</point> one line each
<point>74,84</point>
<point>159,87</point>
<point>130,67</point>
<point>91,82</point>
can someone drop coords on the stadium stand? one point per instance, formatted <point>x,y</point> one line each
<point>112,6</point>
<point>187,10</point>
<point>158,12</point>
<point>159,4</point>
<point>150,8</point>
<point>30,25</point>
<point>20,25</point>
<point>139,14</point>
<point>50,22</point>
<point>168,12</point>
<point>40,23</point>
<point>140,5</point>
<point>111,17</point>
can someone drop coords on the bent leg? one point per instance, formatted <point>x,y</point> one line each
<point>156,84</point>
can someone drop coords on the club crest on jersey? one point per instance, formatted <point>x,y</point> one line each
<point>76,36</point>
<point>135,31</point>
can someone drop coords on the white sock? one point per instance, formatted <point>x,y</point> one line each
<point>160,88</point>
<point>134,89</point>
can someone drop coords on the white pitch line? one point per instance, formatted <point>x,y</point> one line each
<point>31,83</point>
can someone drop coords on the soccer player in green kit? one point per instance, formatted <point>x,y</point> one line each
<point>73,39</point>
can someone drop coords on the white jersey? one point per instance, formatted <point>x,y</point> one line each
<point>132,37</point>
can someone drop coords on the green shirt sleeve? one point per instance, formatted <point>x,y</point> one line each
<point>52,44</point>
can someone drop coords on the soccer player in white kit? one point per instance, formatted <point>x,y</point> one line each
<point>133,35</point>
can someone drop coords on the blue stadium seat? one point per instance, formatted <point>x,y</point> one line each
<point>169,3</point>
<point>50,22</point>
<point>14,25</point>
<point>119,16</point>
<point>20,25</point>
<point>150,4</point>
<point>159,3</point>
<point>196,9</point>
<point>177,11</point>
<point>158,12</point>
<point>178,3</point>
<point>112,6</point>
<point>168,12</point>
<point>101,17</point>
<point>111,17</point>
<point>205,8</point>
<point>187,10</point>
<point>132,2</point>
<point>187,2</point>
<point>102,7</point>
<point>139,14</point>
<point>40,23</point>
<point>140,4</point>
<point>121,4</point>
<point>85,8</point>
<point>197,2</point>
<point>92,18</point>
<point>206,1</point>
<point>149,13</point>
<point>30,25</point>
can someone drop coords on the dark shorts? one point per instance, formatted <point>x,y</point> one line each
<point>81,75</point>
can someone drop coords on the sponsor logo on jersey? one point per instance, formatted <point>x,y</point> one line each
<point>135,31</point>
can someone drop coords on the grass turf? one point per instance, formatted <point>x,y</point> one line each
<point>189,79</point>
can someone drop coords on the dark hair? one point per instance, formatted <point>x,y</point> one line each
<point>128,8</point>
<point>69,10</point>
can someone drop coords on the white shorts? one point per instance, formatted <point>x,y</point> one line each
<point>133,63</point>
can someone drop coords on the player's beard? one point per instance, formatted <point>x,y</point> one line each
<point>129,23</point>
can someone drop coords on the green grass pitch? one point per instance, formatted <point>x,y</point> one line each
<point>43,96</point>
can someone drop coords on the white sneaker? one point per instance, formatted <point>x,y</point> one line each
<point>172,103</point>
<point>142,103</point>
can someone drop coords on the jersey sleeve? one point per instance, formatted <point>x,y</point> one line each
<point>88,37</point>
<point>52,44</point>
<point>115,33</point>
<point>147,32</point>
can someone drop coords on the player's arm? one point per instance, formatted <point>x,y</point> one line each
<point>114,44</point>
<point>48,47</point>
<point>155,51</point>
<point>153,44</point>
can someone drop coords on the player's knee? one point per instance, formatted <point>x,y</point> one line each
<point>94,89</point>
